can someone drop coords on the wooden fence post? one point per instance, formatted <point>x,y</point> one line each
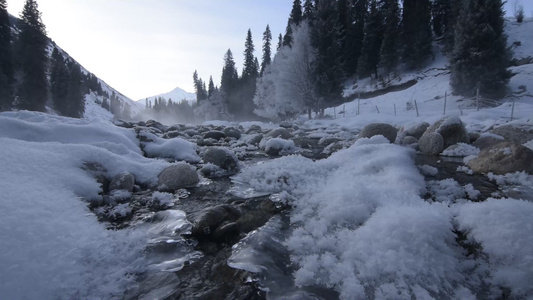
<point>416,106</point>
<point>445,99</point>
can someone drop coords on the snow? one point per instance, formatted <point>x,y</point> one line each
<point>176,148</point>
<point>52,248</point>
<point>461,149</point>
<point>284,146</point>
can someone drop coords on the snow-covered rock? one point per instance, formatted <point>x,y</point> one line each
<point>451,129</point>
<point>221,157</point>
<point>431,143</point>
<point>383,129</point>
<point>122,181</point>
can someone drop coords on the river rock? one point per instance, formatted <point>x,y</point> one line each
<point>451,129</point>
<point>409,140</point>
<point>383,129</point>
<point>279,133</point>
<point>254,129</point>
<point>122,181</point>
<point>171,134</point>
<point>177,176</point>
<point>191,132</point>
<point>155,124</point>
<point>285,124</point>
<point>431,143</point>
<point>206,222</point>
<point>277,146</point>
<point>517,133</point>
<point>253,139</point>
<point>486,141</point>
<point>221,157</point>
<point>503,158</point>
<point>417,131</point>
<point>232,132</point>
<point>214,134</point>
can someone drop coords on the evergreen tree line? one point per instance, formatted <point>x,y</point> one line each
<point>29,78</point>
<point>350,39</point>
<point>163,109</point>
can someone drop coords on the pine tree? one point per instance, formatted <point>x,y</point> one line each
<point>480,57</point>
<point>308,11</point>
<point>324,38</point>
<point>76,101</point>
<point>211,88</point>
<point>59,82</point>
<point>280,42</point>
<point>229,78</point>
<point>267,51</point>
<point>391,29</point>
<point>6,58</point>
<point>355,33</point>
<point>416,32</point>
<point>33,59</point>
<point>287,38</point>
<point>296,13</point>
<point>369,59</point>
<point>249,69</point>
<point>438,13</point>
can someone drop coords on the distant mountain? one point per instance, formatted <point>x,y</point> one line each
<point>176,95</point>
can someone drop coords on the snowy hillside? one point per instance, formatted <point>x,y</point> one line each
<point>176,95</point>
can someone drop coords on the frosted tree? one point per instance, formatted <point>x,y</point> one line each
<point>286,88</point>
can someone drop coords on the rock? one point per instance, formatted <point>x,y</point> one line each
<point>177,176</point>
<point>206,222</point>
<point>503,158</point>
<point>191,132</point>
<point>285,124</point>
<point>214,134</point>
<point>253,139</point>
<point>417,131</point>
<point>486,141</point>
<point>305,142</point>
<point>431,143</point>
<point>171,134</point>
<point>254,129</point>
<point>122,123</point>
<point>279,133</point>
<point>221,157</point>
<point>122,181</point>
<point>328,140</point>
<point>232,132</point>
<point>277,146</point>
<point>451,129</point>
<point>473,136</point>
<point>383,129</point>
<point>409,140</point>
<point>155,124</point>
<point>517,133</point>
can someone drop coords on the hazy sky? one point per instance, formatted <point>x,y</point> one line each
<point>147,47</point>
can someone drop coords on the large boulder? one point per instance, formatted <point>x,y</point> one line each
<point>279,133</point>
<point>517,133</point>
<point>503,158</point>
<point>417,131</point>
<point>254,129</point>
<point>486,141</point>
<point>451,129</point>
<point>431,143</point>
<point>383,129</point>
<point>177,176</point>
<point>222,158</point>
<point>122,181</point>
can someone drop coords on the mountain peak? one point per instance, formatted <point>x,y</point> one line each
<point>177,94</point>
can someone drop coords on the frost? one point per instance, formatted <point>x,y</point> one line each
<point>465,169</point>
<point>428,170</point>
<point>460,149</point>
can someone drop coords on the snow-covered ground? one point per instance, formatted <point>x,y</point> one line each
<point>362,226</point>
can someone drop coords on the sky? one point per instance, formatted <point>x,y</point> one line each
<point>144,48</point>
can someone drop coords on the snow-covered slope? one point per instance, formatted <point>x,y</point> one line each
<point>176,95</point>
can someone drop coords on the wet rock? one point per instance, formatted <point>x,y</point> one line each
<point>503,158</point>
<point>473,136</point>
<point>214,134</point>
<point>431,143</point>
<point>177,176</point>
<point>124,124</point>
<point>232,132</point>
<point>305,142</point>
<point>383,129</point>
<point>99,172</point>
<point>254,129</point>
<point>221,157</point>
<point>328,140</point>
<point>517,133</point>
<point>279,133</point>
<point>207,221</point>
<point>155,124</point>
<point>417,131</point>
<point>451,129</point>
<point>332,148</point>
<point>122,181</point>
<point>486,141</point>
<point>277,146</point>
<point>191,132</point>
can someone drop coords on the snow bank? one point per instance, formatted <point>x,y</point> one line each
<point>52,247</point>
<point>176,148</point>
<point>503,228</point>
